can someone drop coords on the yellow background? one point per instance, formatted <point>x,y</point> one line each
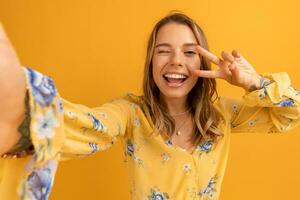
<point>95,51</point>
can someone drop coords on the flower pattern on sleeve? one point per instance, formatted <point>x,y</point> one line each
<point>39,182</point>
<point>46,111</point>
<point>43,88</point>
<point>97,124</point>
<point>156,194</point>
<point>44,125</point>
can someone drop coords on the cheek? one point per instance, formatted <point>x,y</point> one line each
<point>159,61</point>
<point>194,63</point>
<point>156,72</point>
<point>193,80</point>
<point>157,64</point>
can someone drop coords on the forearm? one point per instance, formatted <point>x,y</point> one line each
<point>12,109</point>
<point>12,92</point>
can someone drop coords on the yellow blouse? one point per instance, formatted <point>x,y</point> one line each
<point>158,170</point>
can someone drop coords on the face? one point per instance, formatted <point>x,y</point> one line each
<point>174,59</point>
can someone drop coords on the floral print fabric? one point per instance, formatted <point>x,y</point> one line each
<point>158,170</point>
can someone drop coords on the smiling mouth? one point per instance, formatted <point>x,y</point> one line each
<point>175,79</point>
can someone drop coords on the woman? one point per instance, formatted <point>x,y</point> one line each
<point>176,136</point>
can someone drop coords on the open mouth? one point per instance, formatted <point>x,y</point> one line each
<point>175,79</point>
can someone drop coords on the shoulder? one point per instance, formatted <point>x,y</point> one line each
<point>225,106</point>
<point>133,100</point>
<point>128,100</point>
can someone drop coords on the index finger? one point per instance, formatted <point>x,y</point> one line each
<point>210,56</point>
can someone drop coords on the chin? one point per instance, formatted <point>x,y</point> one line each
<point>174,94</point>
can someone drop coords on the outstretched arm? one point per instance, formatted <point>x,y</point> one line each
<point>12,94</point>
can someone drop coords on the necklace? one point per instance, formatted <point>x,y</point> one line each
<point>183,123</point>
<point>178,130</point>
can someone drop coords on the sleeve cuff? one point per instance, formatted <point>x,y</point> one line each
<point>46,134</point>
<point>278,92</point>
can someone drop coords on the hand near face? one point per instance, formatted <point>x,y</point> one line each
<point>233,68</point>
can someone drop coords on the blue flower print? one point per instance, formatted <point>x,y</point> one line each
<point>43,88</point>
<point>157,195</point>
<point>205,146</point>
<point>60,106</point>
<point>286,102</point>
<point>169,142</point>
<point>131,151</point>
<point>44,125</point>
<point>97,124</point>
<point>39,182</point>
<point>263,94</point>
<point>130,148</point>
<point>94,147</point>
<point>210,189</point>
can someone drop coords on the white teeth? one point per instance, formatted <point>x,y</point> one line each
<point>179,76</point>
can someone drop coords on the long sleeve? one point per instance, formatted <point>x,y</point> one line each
<point>61,130</point>
<point>90,130</point>
<point>273,108</point>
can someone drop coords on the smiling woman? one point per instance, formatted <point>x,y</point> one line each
<point>175,136</point>
<point>169,75</point>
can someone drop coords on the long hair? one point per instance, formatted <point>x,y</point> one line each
<point>201,98</point>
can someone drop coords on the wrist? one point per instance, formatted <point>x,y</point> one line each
<point>258,83</point>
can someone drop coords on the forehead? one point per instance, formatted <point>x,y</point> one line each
<point>175,34</point>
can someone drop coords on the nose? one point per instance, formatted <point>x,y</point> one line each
<point>176,59</point>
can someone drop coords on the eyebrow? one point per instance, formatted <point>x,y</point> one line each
<point>169,45</point>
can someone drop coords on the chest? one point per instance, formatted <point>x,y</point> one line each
<point>184,139</point>
<point>182,142</point>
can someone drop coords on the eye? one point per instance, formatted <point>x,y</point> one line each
<point>163,51</point>
<point>190,53</point>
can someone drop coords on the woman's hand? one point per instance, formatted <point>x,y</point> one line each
<point>233,68</point>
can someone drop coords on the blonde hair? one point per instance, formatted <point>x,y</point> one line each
<point>200,98</point>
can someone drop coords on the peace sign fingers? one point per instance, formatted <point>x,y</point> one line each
<point>223,64</point>
<point>227,56</point>
<point>210,56</point>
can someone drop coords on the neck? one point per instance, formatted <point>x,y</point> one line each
<point>175,105</point>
